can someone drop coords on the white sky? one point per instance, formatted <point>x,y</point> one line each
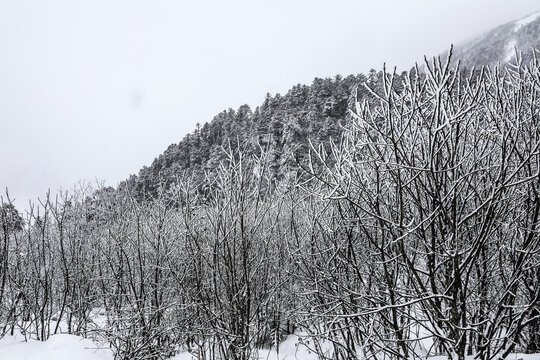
<point>98,89</point>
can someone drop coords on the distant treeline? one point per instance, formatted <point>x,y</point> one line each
<point>282,125</point>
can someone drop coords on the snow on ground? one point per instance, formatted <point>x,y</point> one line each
<point>291,348</point>
<point>70,347</point>
<point>517,356</point>
<point>57,347</point>
<point>526,20</point>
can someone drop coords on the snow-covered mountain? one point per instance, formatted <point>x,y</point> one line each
<point>315,111</point>
<point>499,45</point>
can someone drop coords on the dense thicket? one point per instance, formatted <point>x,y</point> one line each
<point>413,232</point>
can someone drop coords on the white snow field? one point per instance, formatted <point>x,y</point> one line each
<point>57,347</point>
<point>291,348</point>
<point>71,347</point>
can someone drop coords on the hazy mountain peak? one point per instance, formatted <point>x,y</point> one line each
<point>499,45</point>
<point>526,20</point>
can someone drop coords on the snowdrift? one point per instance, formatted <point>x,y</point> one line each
<point>57,347</point>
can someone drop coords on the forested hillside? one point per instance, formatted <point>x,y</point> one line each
<point>282,126</point>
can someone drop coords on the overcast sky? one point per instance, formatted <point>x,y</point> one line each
<point>98,89</point>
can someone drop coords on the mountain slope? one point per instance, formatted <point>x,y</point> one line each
<point>284,124</point>
<point>281,124</point>
<point>499,44</point>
